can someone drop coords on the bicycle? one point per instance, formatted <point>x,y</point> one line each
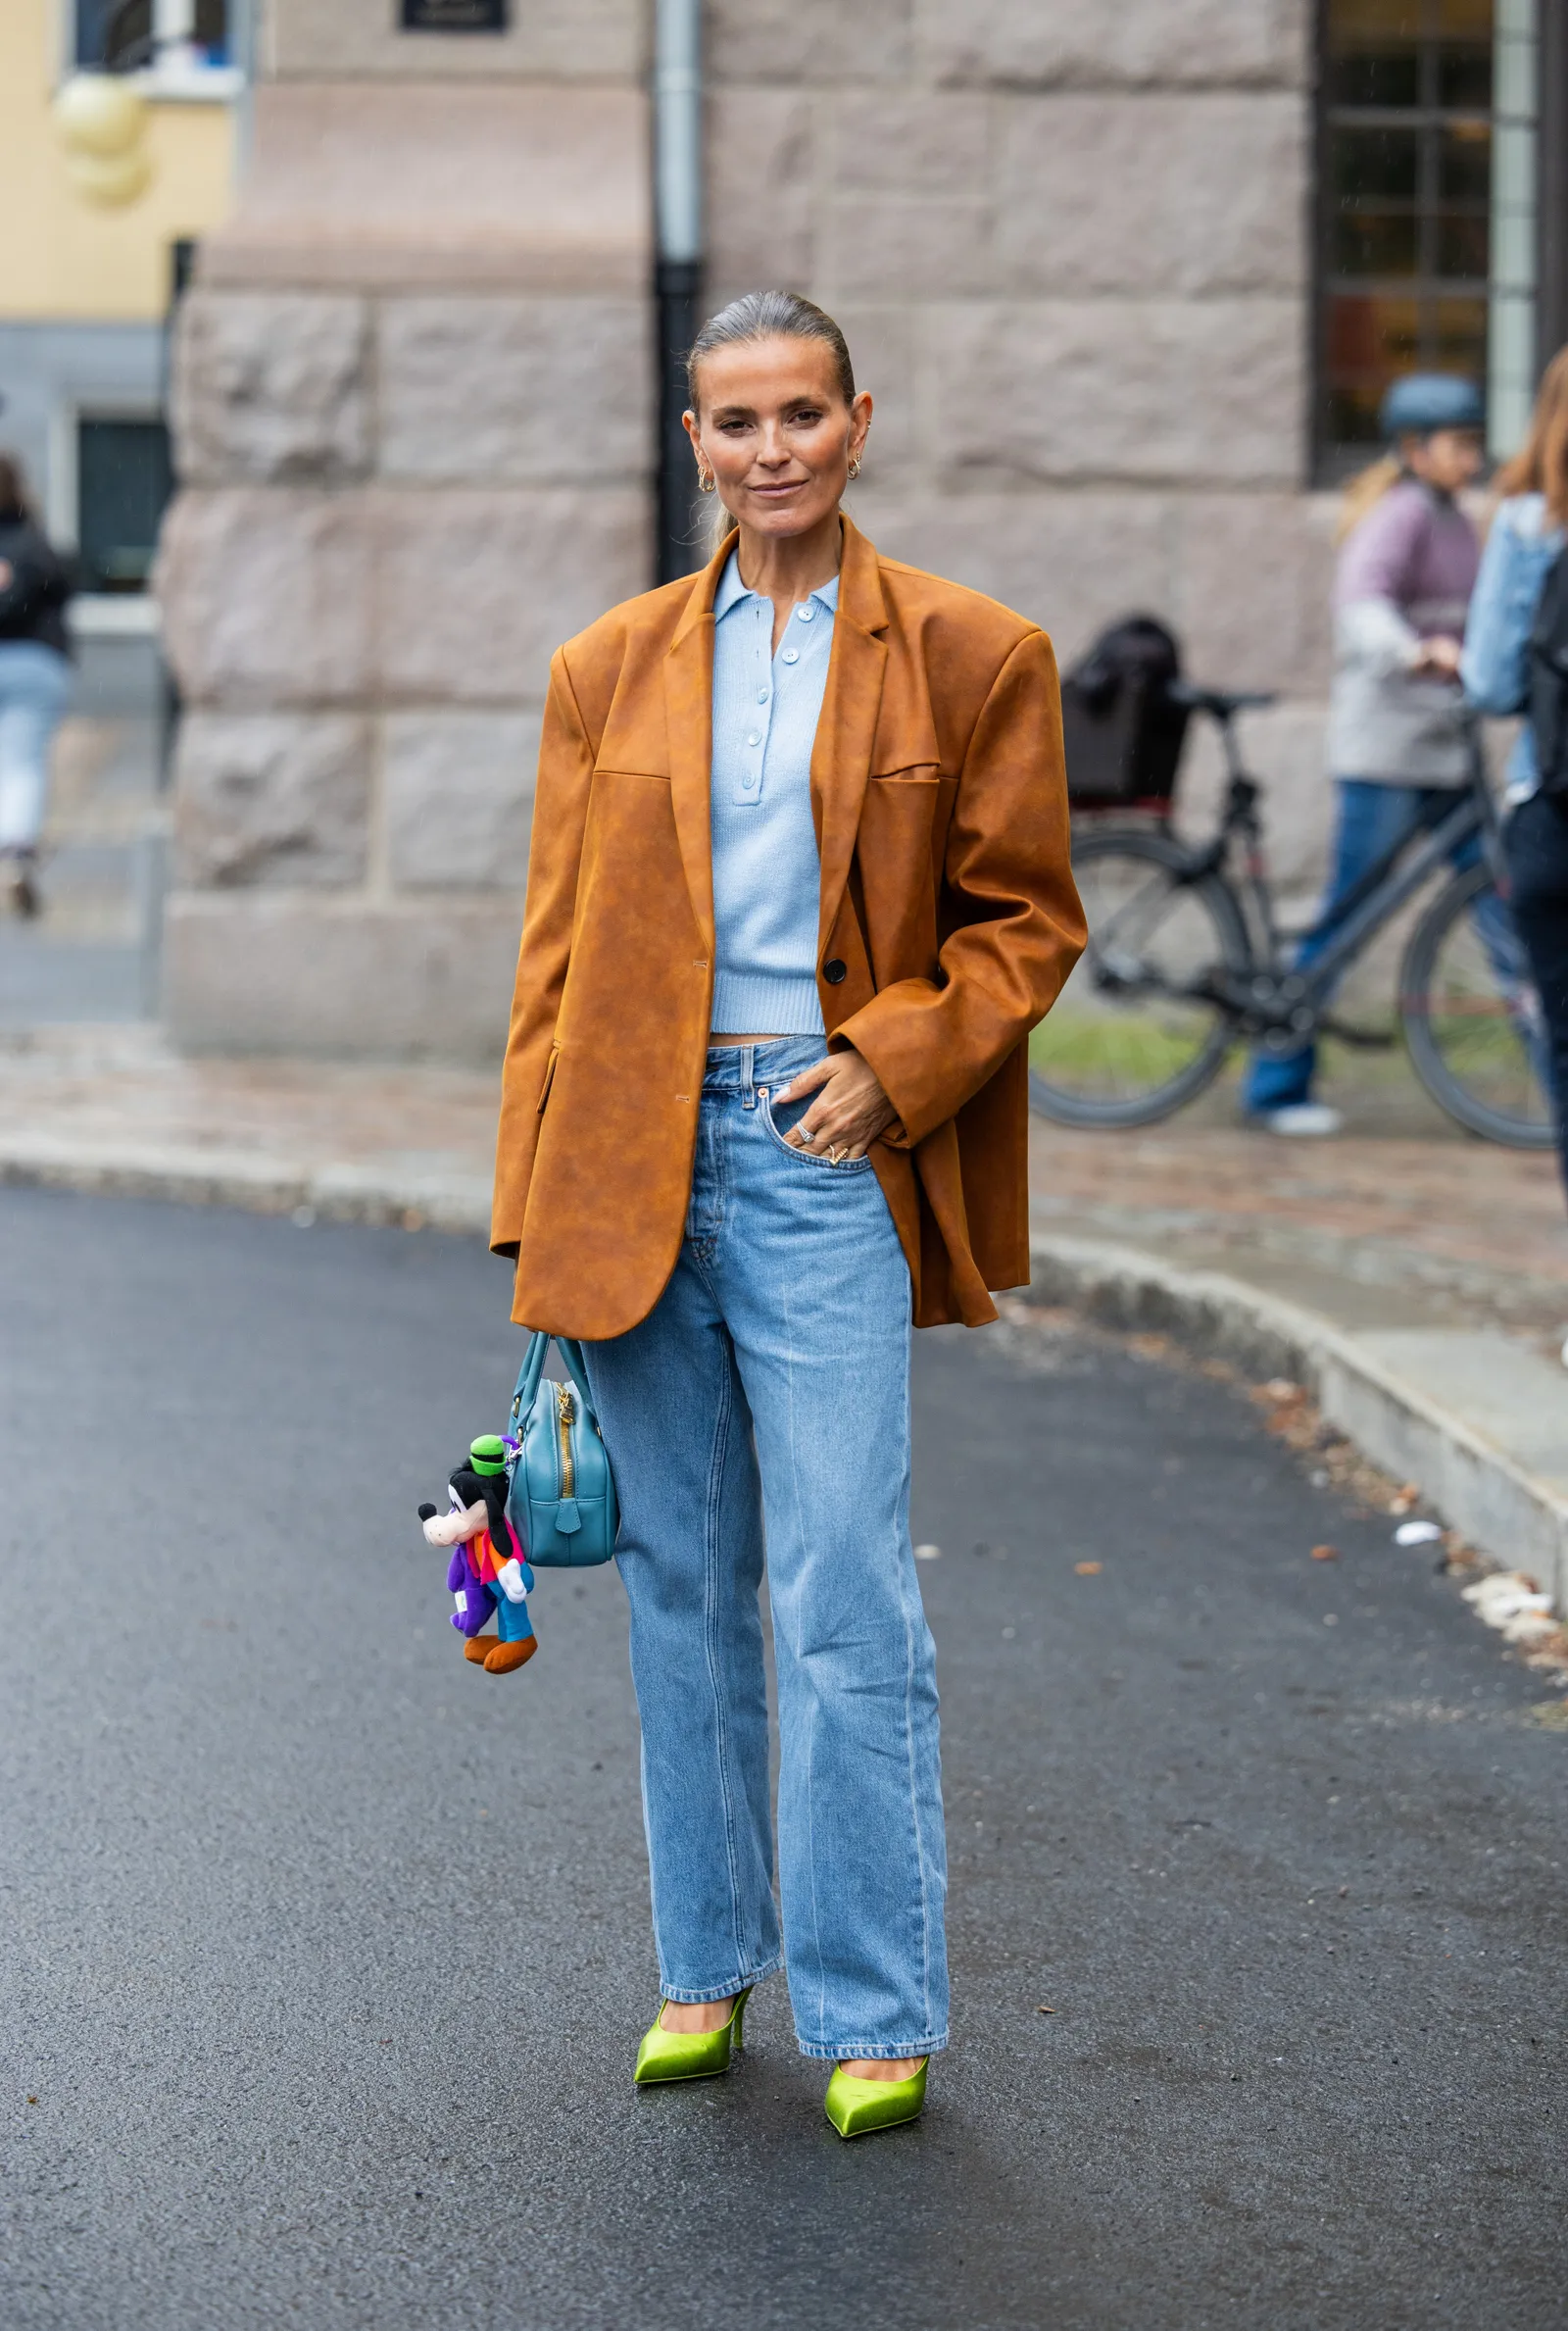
<point>1185,960</point>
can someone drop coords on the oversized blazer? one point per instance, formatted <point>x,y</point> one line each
<point>948,924</point>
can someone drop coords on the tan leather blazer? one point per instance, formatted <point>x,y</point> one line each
<point>949,923</point>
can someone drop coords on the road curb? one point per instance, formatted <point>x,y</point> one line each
<point>192,1175</point>
<point>1477,1488</point>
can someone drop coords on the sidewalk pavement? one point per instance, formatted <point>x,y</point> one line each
<point>1415,1286</point>
<point>1415,1283</point>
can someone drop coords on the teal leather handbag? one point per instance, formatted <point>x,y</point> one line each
<point>562,1499</point>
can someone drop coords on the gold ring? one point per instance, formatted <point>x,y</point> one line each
<point>834,1155</point>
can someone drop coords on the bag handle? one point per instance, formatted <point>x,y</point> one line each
<point>533,1368</point>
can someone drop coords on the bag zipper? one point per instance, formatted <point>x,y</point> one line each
<point>568,1469</point>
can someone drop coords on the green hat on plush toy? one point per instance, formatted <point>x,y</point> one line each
<point>488,1454</point>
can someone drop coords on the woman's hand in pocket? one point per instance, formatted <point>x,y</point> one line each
<point>848,1112</point>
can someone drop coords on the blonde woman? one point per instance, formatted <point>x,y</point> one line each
<point>800,889</point>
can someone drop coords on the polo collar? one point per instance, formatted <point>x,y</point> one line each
<point>731,590</point>
<point>860,602</point>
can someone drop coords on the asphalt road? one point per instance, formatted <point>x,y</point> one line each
<point>324,1956</point>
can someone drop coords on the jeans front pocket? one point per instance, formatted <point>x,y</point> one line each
<point>819,1161</point>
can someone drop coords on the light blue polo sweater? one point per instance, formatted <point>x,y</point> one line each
<point>766,871</point>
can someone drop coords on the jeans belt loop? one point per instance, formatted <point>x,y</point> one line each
<point>748,1088</point>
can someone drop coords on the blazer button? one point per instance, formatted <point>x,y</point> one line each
<point>833,970</point>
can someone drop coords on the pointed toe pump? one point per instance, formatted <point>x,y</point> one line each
<point>690,2055</point>
<point>857,2107</point>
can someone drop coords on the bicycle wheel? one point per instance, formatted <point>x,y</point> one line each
<point>1471,1018</point>
<point>1137,1031</point>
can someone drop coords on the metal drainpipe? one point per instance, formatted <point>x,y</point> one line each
<point>678,266</point>
<point>243,30</point>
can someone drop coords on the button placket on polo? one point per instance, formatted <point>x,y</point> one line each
<point>748,786</point>
<point>767,676</point>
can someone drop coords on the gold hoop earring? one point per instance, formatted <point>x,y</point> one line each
<point>854,467</point>
<point>705,481</point>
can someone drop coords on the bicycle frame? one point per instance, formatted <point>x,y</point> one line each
<point>1277,997</point>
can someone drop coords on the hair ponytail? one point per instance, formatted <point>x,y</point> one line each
<point>1367,487</point>
<point>14,500</point>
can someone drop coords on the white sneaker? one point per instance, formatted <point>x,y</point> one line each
<point>1309,1121</point>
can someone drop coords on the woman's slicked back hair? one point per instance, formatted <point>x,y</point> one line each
<point>771,316</point>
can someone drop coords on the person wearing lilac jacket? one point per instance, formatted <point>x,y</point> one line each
<point>1395,746</point>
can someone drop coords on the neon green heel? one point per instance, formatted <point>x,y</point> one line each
<point>690,2055</point>
<point>857,2107</point>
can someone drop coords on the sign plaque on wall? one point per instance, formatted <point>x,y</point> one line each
<point>452,15</point>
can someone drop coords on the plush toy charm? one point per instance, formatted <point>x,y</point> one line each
<point>488,1570</point>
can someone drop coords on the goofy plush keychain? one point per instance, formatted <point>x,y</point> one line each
<point>488,1570</point>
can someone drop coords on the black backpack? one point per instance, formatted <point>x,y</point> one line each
<point>1121,728</point>
<point>1549,680</point>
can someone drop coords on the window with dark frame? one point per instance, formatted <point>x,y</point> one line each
<point>123,480</point>
<point>1426,206</point>
<point>454,16</point>
<point>117,35</point>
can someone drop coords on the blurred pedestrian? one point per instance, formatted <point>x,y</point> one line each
<point>799,888</point>
<point>1505,669</point>
<point>34,679</point>
<point>1397,747</point>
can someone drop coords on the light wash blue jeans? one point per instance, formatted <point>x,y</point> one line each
<point>768,1391</point>
<point>34,685</point>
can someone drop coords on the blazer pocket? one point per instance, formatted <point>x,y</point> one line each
<point>926,771</point>
<point>550,1078</point>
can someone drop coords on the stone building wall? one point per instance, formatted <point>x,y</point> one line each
<point>413,410</point>
<point>1068,243</point>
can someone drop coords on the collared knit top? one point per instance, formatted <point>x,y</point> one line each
<point>1404,575</point>
<point>766,869</point>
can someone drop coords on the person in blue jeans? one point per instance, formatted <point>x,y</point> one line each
<point>787,1318</point>
<point>1528,535</point>
<point>799,887</point>
<point>1395,744</point>
<point>34,680</point>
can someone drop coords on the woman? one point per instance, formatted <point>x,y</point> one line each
<point>799,888</point>
<point>1527,538</point>
<point>1394,742</point>
<point>34,680</point>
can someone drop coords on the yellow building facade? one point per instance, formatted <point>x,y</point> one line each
<point>86,283</point>
<point>63,256</point>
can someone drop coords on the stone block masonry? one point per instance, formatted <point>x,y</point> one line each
<point>413,392</point>
<point>411,403</point>
<point>1069,246</point>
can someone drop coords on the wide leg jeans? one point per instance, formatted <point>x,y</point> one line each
<point>764,1402</point>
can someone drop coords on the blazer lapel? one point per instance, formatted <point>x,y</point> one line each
<point>689,711</point>
<point>846,733</point>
